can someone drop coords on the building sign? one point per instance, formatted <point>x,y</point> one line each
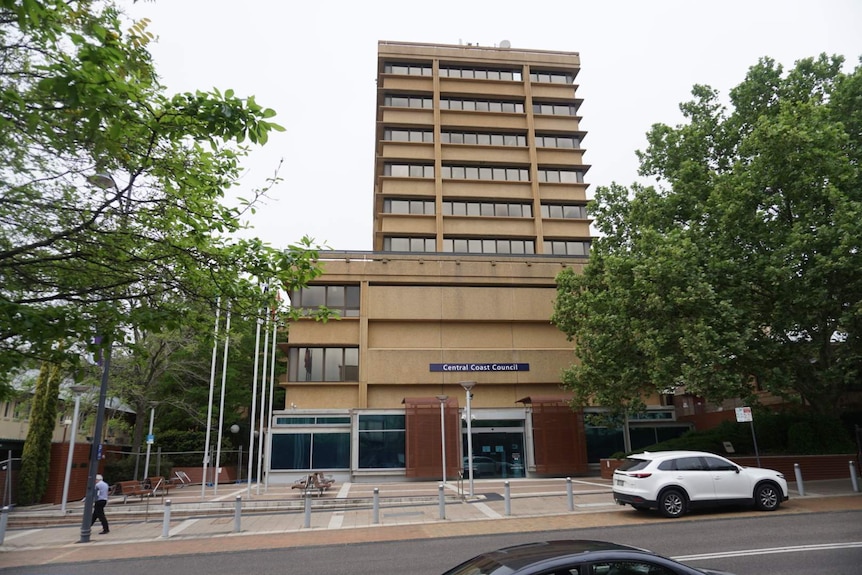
<point>472,367</point>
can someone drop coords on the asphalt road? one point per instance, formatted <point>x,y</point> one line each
<point>787,545</point>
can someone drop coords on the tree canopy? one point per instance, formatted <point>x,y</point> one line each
<point>741,265</point>
<point>112,191</point>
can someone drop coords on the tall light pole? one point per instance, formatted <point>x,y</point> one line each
<point>96,447</point>
<point>103,181</point>
<point>443,399</point>
<point>468,386</point>
<point>77,390</point>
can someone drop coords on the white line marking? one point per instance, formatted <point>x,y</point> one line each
<point>769,550</point>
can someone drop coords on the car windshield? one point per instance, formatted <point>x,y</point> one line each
<point>632,464</point>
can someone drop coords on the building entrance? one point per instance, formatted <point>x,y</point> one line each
<point>496,452</point>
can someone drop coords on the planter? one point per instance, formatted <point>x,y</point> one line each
<point>608,466</point>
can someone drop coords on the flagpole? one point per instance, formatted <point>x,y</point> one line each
<point>258,321</point>
<point>221,401</point>
<point>210,402</point>
<point>262,399</point>
<point>271,391</point>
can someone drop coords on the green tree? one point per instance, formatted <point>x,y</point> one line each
<point>35,460</point>
<point>82,253</point>
<point>742,262</point>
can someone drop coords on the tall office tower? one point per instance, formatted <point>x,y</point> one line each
<point>445,348</point>
<point>478,150</point>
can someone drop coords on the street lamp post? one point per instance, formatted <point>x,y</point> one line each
<point>77,390</point>
<point>95,448</point>
<point>443,399</point>
<point>468,386</point>
<point>103,181</point>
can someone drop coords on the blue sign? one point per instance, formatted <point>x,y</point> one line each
<point>474,367</point>
<point>151,439</point>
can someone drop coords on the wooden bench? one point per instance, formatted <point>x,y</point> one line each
<point>157,484</point>
<point>129,488</point>
<point>313,482</point>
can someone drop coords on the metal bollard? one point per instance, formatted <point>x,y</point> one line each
<point>442,499</point>
<point>166,521</point>
<point>307,523</point>
<point>376,507</point>
<point>569,495</point>
<point>852,477</point>
<point>237,514</point>
<point>800,488</point>
<point>507,495</point>
<point>4,518</point>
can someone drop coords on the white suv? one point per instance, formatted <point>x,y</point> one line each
<point>675,481</point>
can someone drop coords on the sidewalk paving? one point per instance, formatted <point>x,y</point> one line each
<point>275,517</point>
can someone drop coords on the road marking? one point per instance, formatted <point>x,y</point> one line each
<point>182,527</point>
<point>11,536</point>
<point>486,510</point>
<point>336,520</point>
<point>769,550</point>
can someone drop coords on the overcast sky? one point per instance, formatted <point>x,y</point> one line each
<point>315,64</point>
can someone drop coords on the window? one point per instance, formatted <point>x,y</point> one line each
<point>481,105</point>
<point>408,171</point>
<point>577,212</point>
<point>396,135</point>
<point>315,450</point>
<point>323,364</point>
<point>488,246</point>
<point>381,441</point>
<point>422,207</point>
<point>343,299</point>
<point>567,247</point>
<point>629,568</point>
<point>399,244</point>
<point>407,69</point>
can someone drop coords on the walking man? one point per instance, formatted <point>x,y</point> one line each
<point>99,505</point>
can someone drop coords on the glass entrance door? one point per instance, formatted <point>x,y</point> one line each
<point>496,452</point>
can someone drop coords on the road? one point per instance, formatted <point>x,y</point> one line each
<point>787,545</point>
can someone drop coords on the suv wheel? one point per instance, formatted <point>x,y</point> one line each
<point>767,497</point>
<point>672,503</point>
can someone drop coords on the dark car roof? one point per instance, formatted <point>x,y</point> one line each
<point>520,556</point>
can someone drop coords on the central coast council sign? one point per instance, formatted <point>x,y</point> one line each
<point>474,367</point>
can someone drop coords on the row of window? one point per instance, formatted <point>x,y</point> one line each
<point>381,445</point>
<point>478,73</point>
<point>474,208</point>
<point>498,209</point>
<point>486,246</point>
<point>478,138</point>
<point>484,139</point>
<point>546,108</point>
<point>343,299</point>
<point>482,105</point>
<point>483,173</point>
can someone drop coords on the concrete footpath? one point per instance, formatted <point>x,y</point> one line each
<point>278,516</point>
